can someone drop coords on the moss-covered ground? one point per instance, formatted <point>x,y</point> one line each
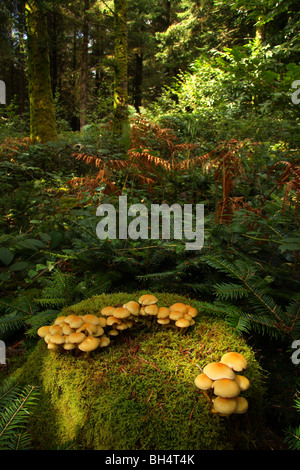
<point>139,392</point>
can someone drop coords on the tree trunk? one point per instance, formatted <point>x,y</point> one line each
<point>138,81</point>
<point>120,121</point>
<point>84,66</point>
<point>42,113</point>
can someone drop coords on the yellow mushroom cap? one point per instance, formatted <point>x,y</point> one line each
<point>163,312</point>
<point>69,346</point>
<point>192,311</point>
<point>217,370</point>
<point>225,406</point>
<point>89,328</point>
<point>226,388</point>
<point>76,337</point>
<point>242,405</point>
<point>57,339</point>
<point>76,322</point>
<point>102,322</point>
<point>47,338</point>
<point>147,299</point>
<point>151,309</point>
<point>104,341</point>
<point>133,307</point>
<point>113,332</point>
<point>89,344</point>
<point>122,326</point>
<point>90,318</point>
<point>52,346</point>
<point>43,331</point>
<point>182,323</point>
<point>55,330</point>
<point>243,382</point>
<point>69,317</point>
<point>99,332</point>
<point>179,307</point>
<point>234,360</point>
<point>59,320</point>
<point>175,315</point>
<point>67,330</point>
<point>121,312</point>
<point>163,321</point>
<point>203,382</point>
<point>112,320</point>
<point>107,311</point>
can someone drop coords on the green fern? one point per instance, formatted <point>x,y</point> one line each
<point>258,311</point>
<point>292,434</point>
<point>16,404</point>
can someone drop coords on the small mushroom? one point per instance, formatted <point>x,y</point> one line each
<point>121,312</point>
<point>66,329</point>
<point>88,328</point>
<point>226,388</point>
<point>89,318</point>
<point>163,321</point>
<point>175,315</point>
<point>113,332</point>
<point>179,307</point>
<point>204,383</point>
<point>234,360</point>
<point>76,337</point>
<point>107,311</point>
<point>182,324</point>
<point>90,343</point>
<point>151,309</point>
<point>148,299</point>
<point>104,341</point>
<point>163,312</point>
<point>242,406</point>
<point>69,346</point>
<point>55,330</point>
<point>133,307</point>
<point>53,347</point>
<point>111,320</point>
<point>192,311</point>
<point>224,406</point>
<point>243,382</point>
<point>43,331</point>
<point>60,320</point>
<point>218,370</point>
<point>76,322</point>
<point>58,339</point>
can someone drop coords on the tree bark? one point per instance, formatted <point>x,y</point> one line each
<point>84,66</point>
<point>42,113</point>
<point>138,81</point>
<point>120,121</point>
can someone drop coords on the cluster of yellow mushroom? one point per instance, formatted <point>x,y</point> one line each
<point>73,332</point>
<point>88,332</point>
<point>178,314</point>
<point>221,378</point>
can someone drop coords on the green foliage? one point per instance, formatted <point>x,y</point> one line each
<point>17,403</point>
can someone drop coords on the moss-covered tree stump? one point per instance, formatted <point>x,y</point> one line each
<point>139,392</point>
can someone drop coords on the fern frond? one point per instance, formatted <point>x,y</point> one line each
<point>230,291</point>
<point>14,416</point>
<point>292,438</point>
<point>12,322</point>
<point>46,317</point>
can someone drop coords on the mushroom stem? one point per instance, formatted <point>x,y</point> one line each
<point>206,395</point>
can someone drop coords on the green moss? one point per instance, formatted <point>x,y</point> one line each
<point>139,393</point>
